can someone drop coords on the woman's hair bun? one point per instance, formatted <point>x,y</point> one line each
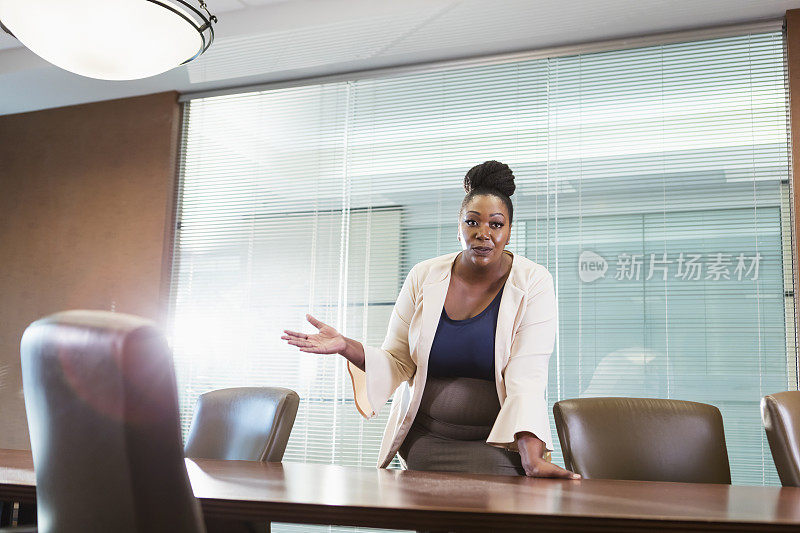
<point>491,175</point>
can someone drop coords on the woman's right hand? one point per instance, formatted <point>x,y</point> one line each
<point>327,340</point>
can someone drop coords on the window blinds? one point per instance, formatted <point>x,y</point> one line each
<point>653,183</point>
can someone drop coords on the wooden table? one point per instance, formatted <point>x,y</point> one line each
<point>326,494</point>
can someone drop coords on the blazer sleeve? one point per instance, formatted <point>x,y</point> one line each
<point>390,365</point>
<point>525,375</point>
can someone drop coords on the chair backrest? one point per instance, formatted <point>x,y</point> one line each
<point>643,439</point>
<point>242,423</point>
<point>102,410</point>
<point>780,413</point>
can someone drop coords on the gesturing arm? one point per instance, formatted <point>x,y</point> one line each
<point>376,372</point>
<point>327,340</point>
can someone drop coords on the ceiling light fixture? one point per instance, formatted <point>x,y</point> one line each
<point>111,39</point>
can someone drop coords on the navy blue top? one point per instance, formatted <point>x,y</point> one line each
<point>465,348</point>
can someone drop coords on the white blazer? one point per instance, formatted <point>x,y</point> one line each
<point>526,330</point>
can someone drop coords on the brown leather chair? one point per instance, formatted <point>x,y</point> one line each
<point>102,410</point>
<point>643,439</point>
<point>242,423</point>
<point>780,413</point>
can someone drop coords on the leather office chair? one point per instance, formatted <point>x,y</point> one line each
<point>102,410</point>
<point>780,413</point>
<point>243,423</point>
<point>643,439</point>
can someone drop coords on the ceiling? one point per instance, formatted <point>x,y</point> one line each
<point>262,41</point>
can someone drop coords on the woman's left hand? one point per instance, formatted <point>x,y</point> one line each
<point>530,452</point>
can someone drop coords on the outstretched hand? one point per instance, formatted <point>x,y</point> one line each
<point>327,340</point>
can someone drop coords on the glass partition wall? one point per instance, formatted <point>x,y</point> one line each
<point>652,182</point>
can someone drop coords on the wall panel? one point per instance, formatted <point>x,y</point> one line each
<point>86,198</point>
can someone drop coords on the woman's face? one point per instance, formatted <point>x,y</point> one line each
<point>484,230</point>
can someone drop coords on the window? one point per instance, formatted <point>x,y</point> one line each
<point>652,182</point>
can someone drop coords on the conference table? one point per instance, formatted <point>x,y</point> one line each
<point>371,497</point>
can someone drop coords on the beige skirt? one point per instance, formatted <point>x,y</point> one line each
<point>450,430</point>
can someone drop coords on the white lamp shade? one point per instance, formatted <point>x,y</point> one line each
<point>104,39</point>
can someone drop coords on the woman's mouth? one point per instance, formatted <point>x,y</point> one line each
<point>482,250</point>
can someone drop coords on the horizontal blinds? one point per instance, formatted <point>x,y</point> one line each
<point>320,199</point>
<point>259,245</point>
<point>670,169</point>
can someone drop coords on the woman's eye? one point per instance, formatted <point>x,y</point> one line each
<point>470,222</point>
<point>497,225</point>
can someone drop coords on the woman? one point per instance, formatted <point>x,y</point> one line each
<point>466,351</point>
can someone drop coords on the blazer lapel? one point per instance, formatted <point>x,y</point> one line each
<point>506,317</point>
<point>434,291</point>
<point>433,295</point>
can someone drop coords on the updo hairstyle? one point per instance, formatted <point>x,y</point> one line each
<point>491,177</point>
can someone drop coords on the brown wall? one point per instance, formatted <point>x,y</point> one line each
<point>86,198</point>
